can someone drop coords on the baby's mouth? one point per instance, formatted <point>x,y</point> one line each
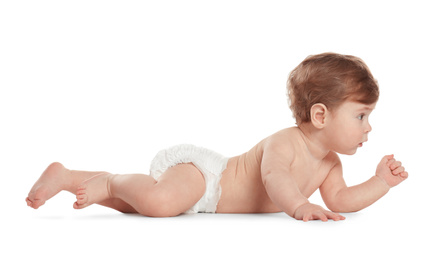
<point>361,144</point>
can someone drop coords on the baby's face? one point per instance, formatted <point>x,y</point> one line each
<point>348,126</point>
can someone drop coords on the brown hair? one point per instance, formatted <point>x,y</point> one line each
<point>330,79</point>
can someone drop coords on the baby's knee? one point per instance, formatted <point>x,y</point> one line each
<point>158,204</point>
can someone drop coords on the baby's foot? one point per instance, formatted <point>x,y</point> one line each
<point>49,184</point>
<point>93,190</point>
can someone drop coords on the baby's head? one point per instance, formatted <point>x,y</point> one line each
<point>329,79</point>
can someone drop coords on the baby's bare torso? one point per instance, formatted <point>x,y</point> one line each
<point>242,188</point>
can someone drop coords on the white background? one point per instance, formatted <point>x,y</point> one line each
<point>104,85</point>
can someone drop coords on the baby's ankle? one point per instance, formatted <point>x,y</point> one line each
<point>109,183</point>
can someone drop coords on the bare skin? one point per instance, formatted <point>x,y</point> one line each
<point>128,193</point>
<point>57,178</point>
<point>52,181</point>
<point>279,174</point>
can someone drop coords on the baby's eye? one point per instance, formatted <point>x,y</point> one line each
<point>360,117</point>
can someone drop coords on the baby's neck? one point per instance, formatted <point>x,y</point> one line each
<point>314,141</point>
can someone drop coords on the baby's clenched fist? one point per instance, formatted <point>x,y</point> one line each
<point>391,171</point>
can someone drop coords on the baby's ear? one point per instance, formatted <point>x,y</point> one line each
<point>319,113</point>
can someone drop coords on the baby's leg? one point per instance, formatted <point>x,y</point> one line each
<point>178,189</point>
<point>57,178</point>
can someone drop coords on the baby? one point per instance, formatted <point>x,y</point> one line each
<point>331,97</point>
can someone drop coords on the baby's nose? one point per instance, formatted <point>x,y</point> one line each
<point>368,128</point>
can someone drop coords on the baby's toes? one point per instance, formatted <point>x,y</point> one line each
<point>35,200</point>
<point>81,197</point>
<point>30,203</point>
<point>81,201</point>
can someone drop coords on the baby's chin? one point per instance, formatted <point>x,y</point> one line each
<point>348,152</point>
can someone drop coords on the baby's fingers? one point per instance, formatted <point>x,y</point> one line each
<point>307,217</point>
<point>334,216</point>
<point>398,170</point>
<point>390,161</point>
<point>395,165</point>
<point>315,216</point>
<point>324,216</point>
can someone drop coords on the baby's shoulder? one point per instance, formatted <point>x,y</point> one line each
<point>284,136</point>
<point>284,141</point>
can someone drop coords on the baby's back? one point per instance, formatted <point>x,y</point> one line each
<point>242,187</point>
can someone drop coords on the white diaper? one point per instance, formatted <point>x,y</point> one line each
<point>210,163</point>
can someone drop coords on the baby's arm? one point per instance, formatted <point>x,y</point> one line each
<point>282,189</point>
<point>340,198</point>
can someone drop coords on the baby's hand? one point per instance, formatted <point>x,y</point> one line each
<point>391,171</point>
<point>310,211</point>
